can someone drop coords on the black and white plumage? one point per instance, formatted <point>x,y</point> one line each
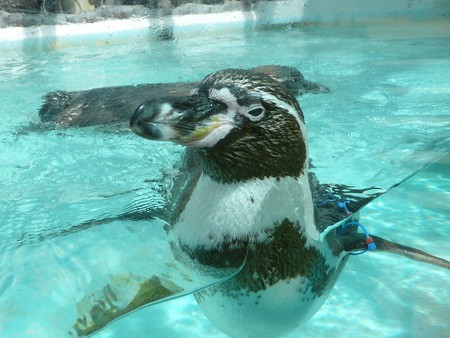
<point>247,196</point>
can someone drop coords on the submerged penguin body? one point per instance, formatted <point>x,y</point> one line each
<point>251,201</point>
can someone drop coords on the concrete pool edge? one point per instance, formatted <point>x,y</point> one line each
<point>110,26</point>
<point>261,14</point>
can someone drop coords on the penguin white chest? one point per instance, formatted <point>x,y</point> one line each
<point>285,277</point>
<point>244,210</point>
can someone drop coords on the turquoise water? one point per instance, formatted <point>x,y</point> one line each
<point>388,115</point>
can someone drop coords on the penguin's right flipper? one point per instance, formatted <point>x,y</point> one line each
<point>125,293</point>
<point>121,295</point>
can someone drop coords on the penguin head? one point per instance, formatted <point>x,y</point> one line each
<point>236,118</point>
<point>292,79</point>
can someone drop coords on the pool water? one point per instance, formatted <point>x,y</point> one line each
<point>387,116</point>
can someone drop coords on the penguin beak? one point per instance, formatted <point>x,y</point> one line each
<point>312,87</point>
<point>189,121</point>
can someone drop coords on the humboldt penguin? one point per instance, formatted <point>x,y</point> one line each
<point>247,196</point>
<point>114,105</point>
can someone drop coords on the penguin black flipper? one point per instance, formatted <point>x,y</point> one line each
<point>326,197</point>
<point>335,202</point>
<point>125,294</point>
<point>357,242</point>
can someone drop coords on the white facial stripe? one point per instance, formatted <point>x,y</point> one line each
<point>223,95</point>
<point>282,104</point>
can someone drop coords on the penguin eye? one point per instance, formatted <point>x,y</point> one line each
<point>255,113</point>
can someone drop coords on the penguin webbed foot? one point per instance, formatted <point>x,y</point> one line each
<point>409,252</point>
<point>356,242</point>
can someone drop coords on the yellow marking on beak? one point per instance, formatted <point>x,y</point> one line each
<point>202,131</point>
